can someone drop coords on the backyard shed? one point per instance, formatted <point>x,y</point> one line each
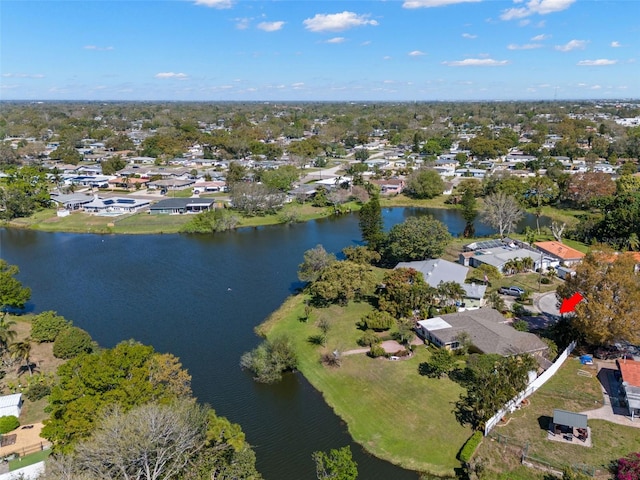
<point>10,405</point>
<point>570,425</point>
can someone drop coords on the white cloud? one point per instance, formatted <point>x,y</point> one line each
<point>22,75</point>
<point>387,57</point>
<point>337,22</point>
<point>242,23</point>
<point>297,85</point>
<point>336,40</point>
<point>572,45</point>
<point>365,43</point>
<point>416,53</point>
<point>526,46</point>
<point>271,26</point>
<point>180,76</point>
<point>476,62</point>
<point>615,44</point>
<point>540,38</point>
<point>469,36</point>
<point>94,47</point>
<point>596,63</point>
<point>433,3</point>
<point>532,7</point>
<point>221,4</point>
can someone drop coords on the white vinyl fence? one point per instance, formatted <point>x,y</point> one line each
<point>532,387</point>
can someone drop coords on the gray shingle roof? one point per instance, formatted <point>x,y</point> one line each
<point>438,270</point>
<point>489,333</point>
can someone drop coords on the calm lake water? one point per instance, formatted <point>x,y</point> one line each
<point>200,297</point>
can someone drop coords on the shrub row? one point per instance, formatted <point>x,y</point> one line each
<point>470,446</point>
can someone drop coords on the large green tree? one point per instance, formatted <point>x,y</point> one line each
<point>424,183</point>
<point>468,205</point>
<point>128,375</point>
<point>611,291</point>
<point>491,381</point>
<point>281,178</point>
<point>342,282</point>
<point>405,291</point>
<point>337,464</point>
<point>370,221</point>
<point>315,261</point>
<point>417,238</point>
<point>13,295</point>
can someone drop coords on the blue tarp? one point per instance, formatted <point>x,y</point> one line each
<point>586,360</point>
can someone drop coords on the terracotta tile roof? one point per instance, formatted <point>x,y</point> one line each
<point>630,370</point>
<point>559,250</point>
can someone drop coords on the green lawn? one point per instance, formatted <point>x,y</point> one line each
<point>569,391</point>
<point>27,460</point>
<point>390,409</point>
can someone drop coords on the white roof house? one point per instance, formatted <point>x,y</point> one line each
<point>11,405</point>
<point>438,270</point>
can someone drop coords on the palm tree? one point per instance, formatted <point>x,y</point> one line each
<point>527,263</point>
<point>496,301</point>
<point>22,351</point>
<point>7,333</point>
<point>450,292</point>
<point>509,267</point>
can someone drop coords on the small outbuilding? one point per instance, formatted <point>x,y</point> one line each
<point>11,405</point>
<point>569,425</point>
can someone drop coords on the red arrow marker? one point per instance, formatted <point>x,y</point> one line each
<point>569,304</point>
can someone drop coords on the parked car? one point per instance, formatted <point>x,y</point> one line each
<point>513,291</point>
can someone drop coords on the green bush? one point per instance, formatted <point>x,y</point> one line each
<point>470,447</point>
<point>46,326</point>
<point>377,321</point>
<point>37,391</point>
<point>369,338</point>
<point>71,342</point>
<point>545,280</point>
<point>376,351</point>
<point>269,360</point>
<point>8,423</point>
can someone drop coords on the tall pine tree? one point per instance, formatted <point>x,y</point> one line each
<point>371,223</point>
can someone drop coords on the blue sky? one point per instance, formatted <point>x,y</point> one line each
<point>253,50</point>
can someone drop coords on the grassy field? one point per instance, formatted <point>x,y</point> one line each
<point>27,460</point>
<point>390,409</point>
<point>528,426</point>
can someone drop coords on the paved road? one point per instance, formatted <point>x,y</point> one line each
<point>545,310</point>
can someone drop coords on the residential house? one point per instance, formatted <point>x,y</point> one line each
<point>128,183</point>
<point>182,205</point>
<point>561,254</point>
<point>115,205</point>
<point>73,201</point>
<point>471,172</point>
<point>171,184</point>
<point>390,186</point>
<point>488,333</point>
<point>439,270</point>
<point>209,186</point>
<point>630,372</point>
<point>498,256</point>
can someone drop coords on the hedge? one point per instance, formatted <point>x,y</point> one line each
<point>470,446</point>
<point>8,423</point>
